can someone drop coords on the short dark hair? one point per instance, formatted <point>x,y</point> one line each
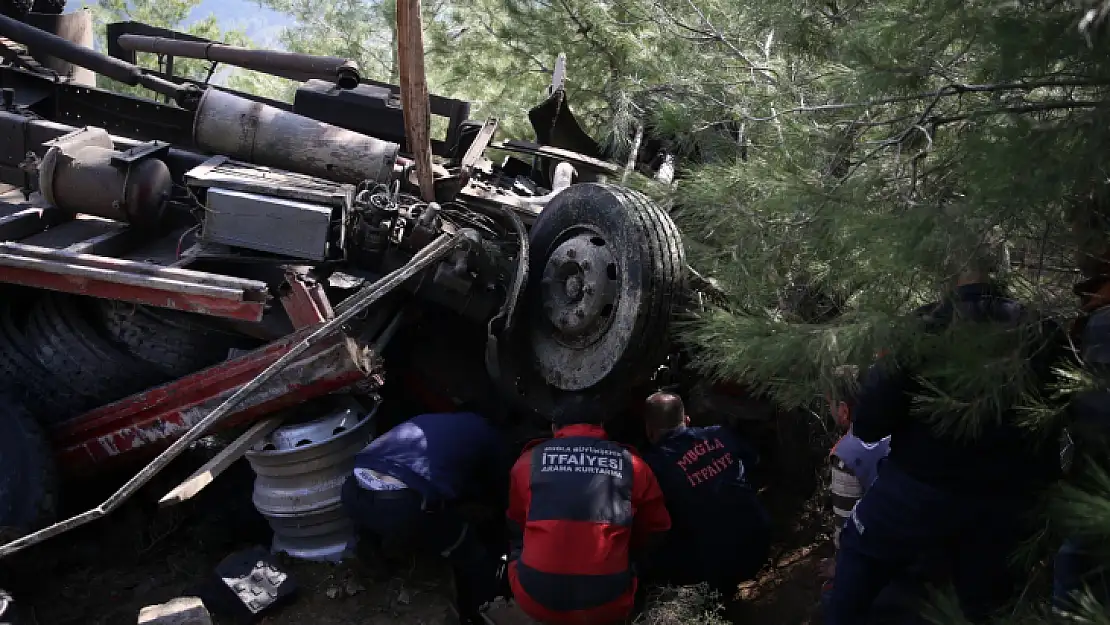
<point>664,411</point>
<point>845,385</point>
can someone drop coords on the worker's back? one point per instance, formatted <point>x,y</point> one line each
<point>720,532</point>
<point>438,454</point>
<point>1002,454</point>
<point>579,506</point>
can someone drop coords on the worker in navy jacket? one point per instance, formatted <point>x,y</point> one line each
<point>964,497</point>
<point>1078,563</point>
<point>582,509</point>
<point>720,531</point>
<point>406,486</point>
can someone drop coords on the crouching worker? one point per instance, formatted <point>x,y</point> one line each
<point>408,481</point>
<point>721,533</point>
<point>582,510</point>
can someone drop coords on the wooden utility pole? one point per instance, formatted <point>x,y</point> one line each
<point>414,92</point>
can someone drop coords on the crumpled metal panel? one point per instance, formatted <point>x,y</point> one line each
<point>300,469</point>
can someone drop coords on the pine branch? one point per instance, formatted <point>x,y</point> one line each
<point>1038,107</point>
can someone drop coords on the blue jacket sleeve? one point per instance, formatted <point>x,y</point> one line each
<point>883,400</point>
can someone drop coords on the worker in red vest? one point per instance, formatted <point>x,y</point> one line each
<point>582,511</point>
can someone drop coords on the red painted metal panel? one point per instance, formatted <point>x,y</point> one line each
<point>203,304</point>
<point>306,304</point>
<point>153,418</point>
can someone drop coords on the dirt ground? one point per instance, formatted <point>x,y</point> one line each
<point>105,572</point>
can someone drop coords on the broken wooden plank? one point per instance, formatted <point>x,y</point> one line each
<point>219,463</point>
<point>414,93</point>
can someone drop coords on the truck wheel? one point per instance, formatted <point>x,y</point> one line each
<point>175,343</point>
<point>606,268</point>
<point>28,479</point>
<point>70,348</point>
<point>51,7</point>
<point>38,390</point>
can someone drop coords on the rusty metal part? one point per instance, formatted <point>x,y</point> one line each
<point>299,472</point>
<point>343,72</point>
<point>478,146</point>
<point>414,93</point>
<point>304,300</point>
<point>579,289</point>
<point>361,300</point>
<point>82,173</point>
<point>151,419</point>
<point>559,76</point>
<point>580,161</point>
<point>132,281</point>
<point>40,42</point>
<point>526,208</point>
<point>261,134</point>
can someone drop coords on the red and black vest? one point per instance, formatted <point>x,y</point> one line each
<point>579,505</point>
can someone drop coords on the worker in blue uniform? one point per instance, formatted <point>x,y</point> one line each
<point>1078,565</point>
<point>965,497</point>
<point>408,486</point>
<point>720,532</point>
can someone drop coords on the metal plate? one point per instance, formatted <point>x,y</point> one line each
<point>267,224</point>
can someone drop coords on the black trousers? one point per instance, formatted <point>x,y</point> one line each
<point>404,518</point>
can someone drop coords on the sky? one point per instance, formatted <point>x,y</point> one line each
<point>262,25</point>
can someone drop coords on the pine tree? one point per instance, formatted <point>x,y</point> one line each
<point>878,143</point>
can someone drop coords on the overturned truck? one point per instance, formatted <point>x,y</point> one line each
<point>200,259</point>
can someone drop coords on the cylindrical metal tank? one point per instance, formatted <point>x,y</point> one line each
<point>75,27</point>
<point>78,176</point>
<point>300,469</point>
<point>257,133</point>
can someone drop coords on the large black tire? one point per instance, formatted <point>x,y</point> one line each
<point>23,377</point>
<point>52,7</point>
<point>16,8</point>
<point>67,346</point>
<point>174,343</point>
<point>28,478</point>
<point>606,269</point>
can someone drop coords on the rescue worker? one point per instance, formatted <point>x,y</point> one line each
<point>720,532</point>
<point>408,485</point>
<point>1077,565</point>
<point>582,511</point>
<point>854,467</point>
<point>966,497</point>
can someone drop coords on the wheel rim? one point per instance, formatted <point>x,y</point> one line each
<point>579,336</point>
<point>580,287</point>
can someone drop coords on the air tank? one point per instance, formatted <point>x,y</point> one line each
<point>251,131</point>
<point>82,173</point>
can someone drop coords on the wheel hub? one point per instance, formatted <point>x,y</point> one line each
<point>579,289</point>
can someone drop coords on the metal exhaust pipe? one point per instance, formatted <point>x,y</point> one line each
<point>344,72</point>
